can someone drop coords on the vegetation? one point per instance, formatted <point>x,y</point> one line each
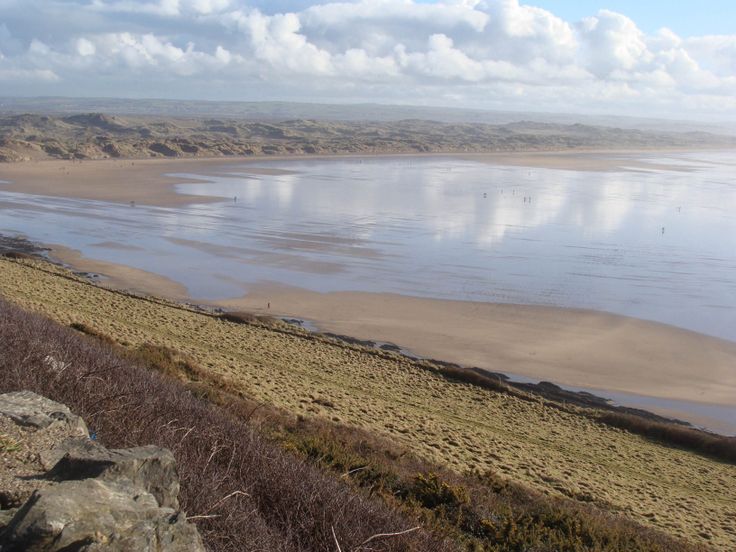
<point>243,493</point>
<point>377,420</point>
<point>716,446</point>
<point>8,444</point>
<point>246,494</point>
<point>99,136</point>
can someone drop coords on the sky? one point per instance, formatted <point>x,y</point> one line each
<point>645,58</point>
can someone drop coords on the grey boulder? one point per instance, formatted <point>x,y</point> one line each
<point>150,468</point>
<point>92,515</point>
<point>29,409</point>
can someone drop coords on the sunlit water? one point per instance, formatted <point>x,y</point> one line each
<point>654,244</point>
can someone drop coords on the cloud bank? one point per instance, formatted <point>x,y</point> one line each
<point>496,54</point>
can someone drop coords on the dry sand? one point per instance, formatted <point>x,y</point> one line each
<point>142,181</point>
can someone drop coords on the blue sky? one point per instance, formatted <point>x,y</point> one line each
<point>668,59</point>
<point>685,17</point>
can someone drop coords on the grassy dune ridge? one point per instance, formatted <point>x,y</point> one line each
<point>27,136</point>
<point>557,452</point>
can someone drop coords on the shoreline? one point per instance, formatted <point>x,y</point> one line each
<point>710,416</point>
<point>570,347</point>
<point>557,344</point>
<point>148,181</point>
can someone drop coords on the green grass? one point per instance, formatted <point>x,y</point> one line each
<point>8,445</point>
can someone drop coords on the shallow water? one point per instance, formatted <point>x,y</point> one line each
<point>654,244</point>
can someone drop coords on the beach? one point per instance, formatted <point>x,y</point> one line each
<point>568,346</point>
<point>145,181</point>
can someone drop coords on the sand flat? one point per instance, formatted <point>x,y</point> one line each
<point>119,181</point>
<point>145,181</point>
<point>576,347</point>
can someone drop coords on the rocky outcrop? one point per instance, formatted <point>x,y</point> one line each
<point>84,497</point>
<point>31,410</point>
<point>150,468</point>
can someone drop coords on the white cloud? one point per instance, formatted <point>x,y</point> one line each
<point>85,47</point>
<point>487,53</point>
<point>27,75</point>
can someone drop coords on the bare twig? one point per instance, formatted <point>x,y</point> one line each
<point>349,473</point>
<point>387,535</point>
<point>224,498</point>
<point>334,536</point>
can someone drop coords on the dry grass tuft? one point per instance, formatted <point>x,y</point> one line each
<point>8,445</point>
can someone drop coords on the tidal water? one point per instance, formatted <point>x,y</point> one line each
<point>657,244</point>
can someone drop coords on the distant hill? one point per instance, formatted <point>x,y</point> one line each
<point>97,135</point>
<point>282,111</point>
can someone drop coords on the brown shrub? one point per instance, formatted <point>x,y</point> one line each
<point>248,318</point>
<point>717,446</point>
<point>291,505</point>
<point>91,332</point>
<point>17,255</point>
<point>249,494</point>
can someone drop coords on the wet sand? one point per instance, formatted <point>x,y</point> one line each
<point>120,276</point>
<point>145,181</point>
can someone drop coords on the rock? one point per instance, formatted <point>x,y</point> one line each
<point>94,515</point>
<point>28,409</point>
<point>151,468</point>
<point>11,498</point>
<point>50,457</point>
<point>5,517</point>
<point>85,497</point>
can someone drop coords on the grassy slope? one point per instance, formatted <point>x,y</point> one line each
<point>243,492</point>
<point>555,451</point>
